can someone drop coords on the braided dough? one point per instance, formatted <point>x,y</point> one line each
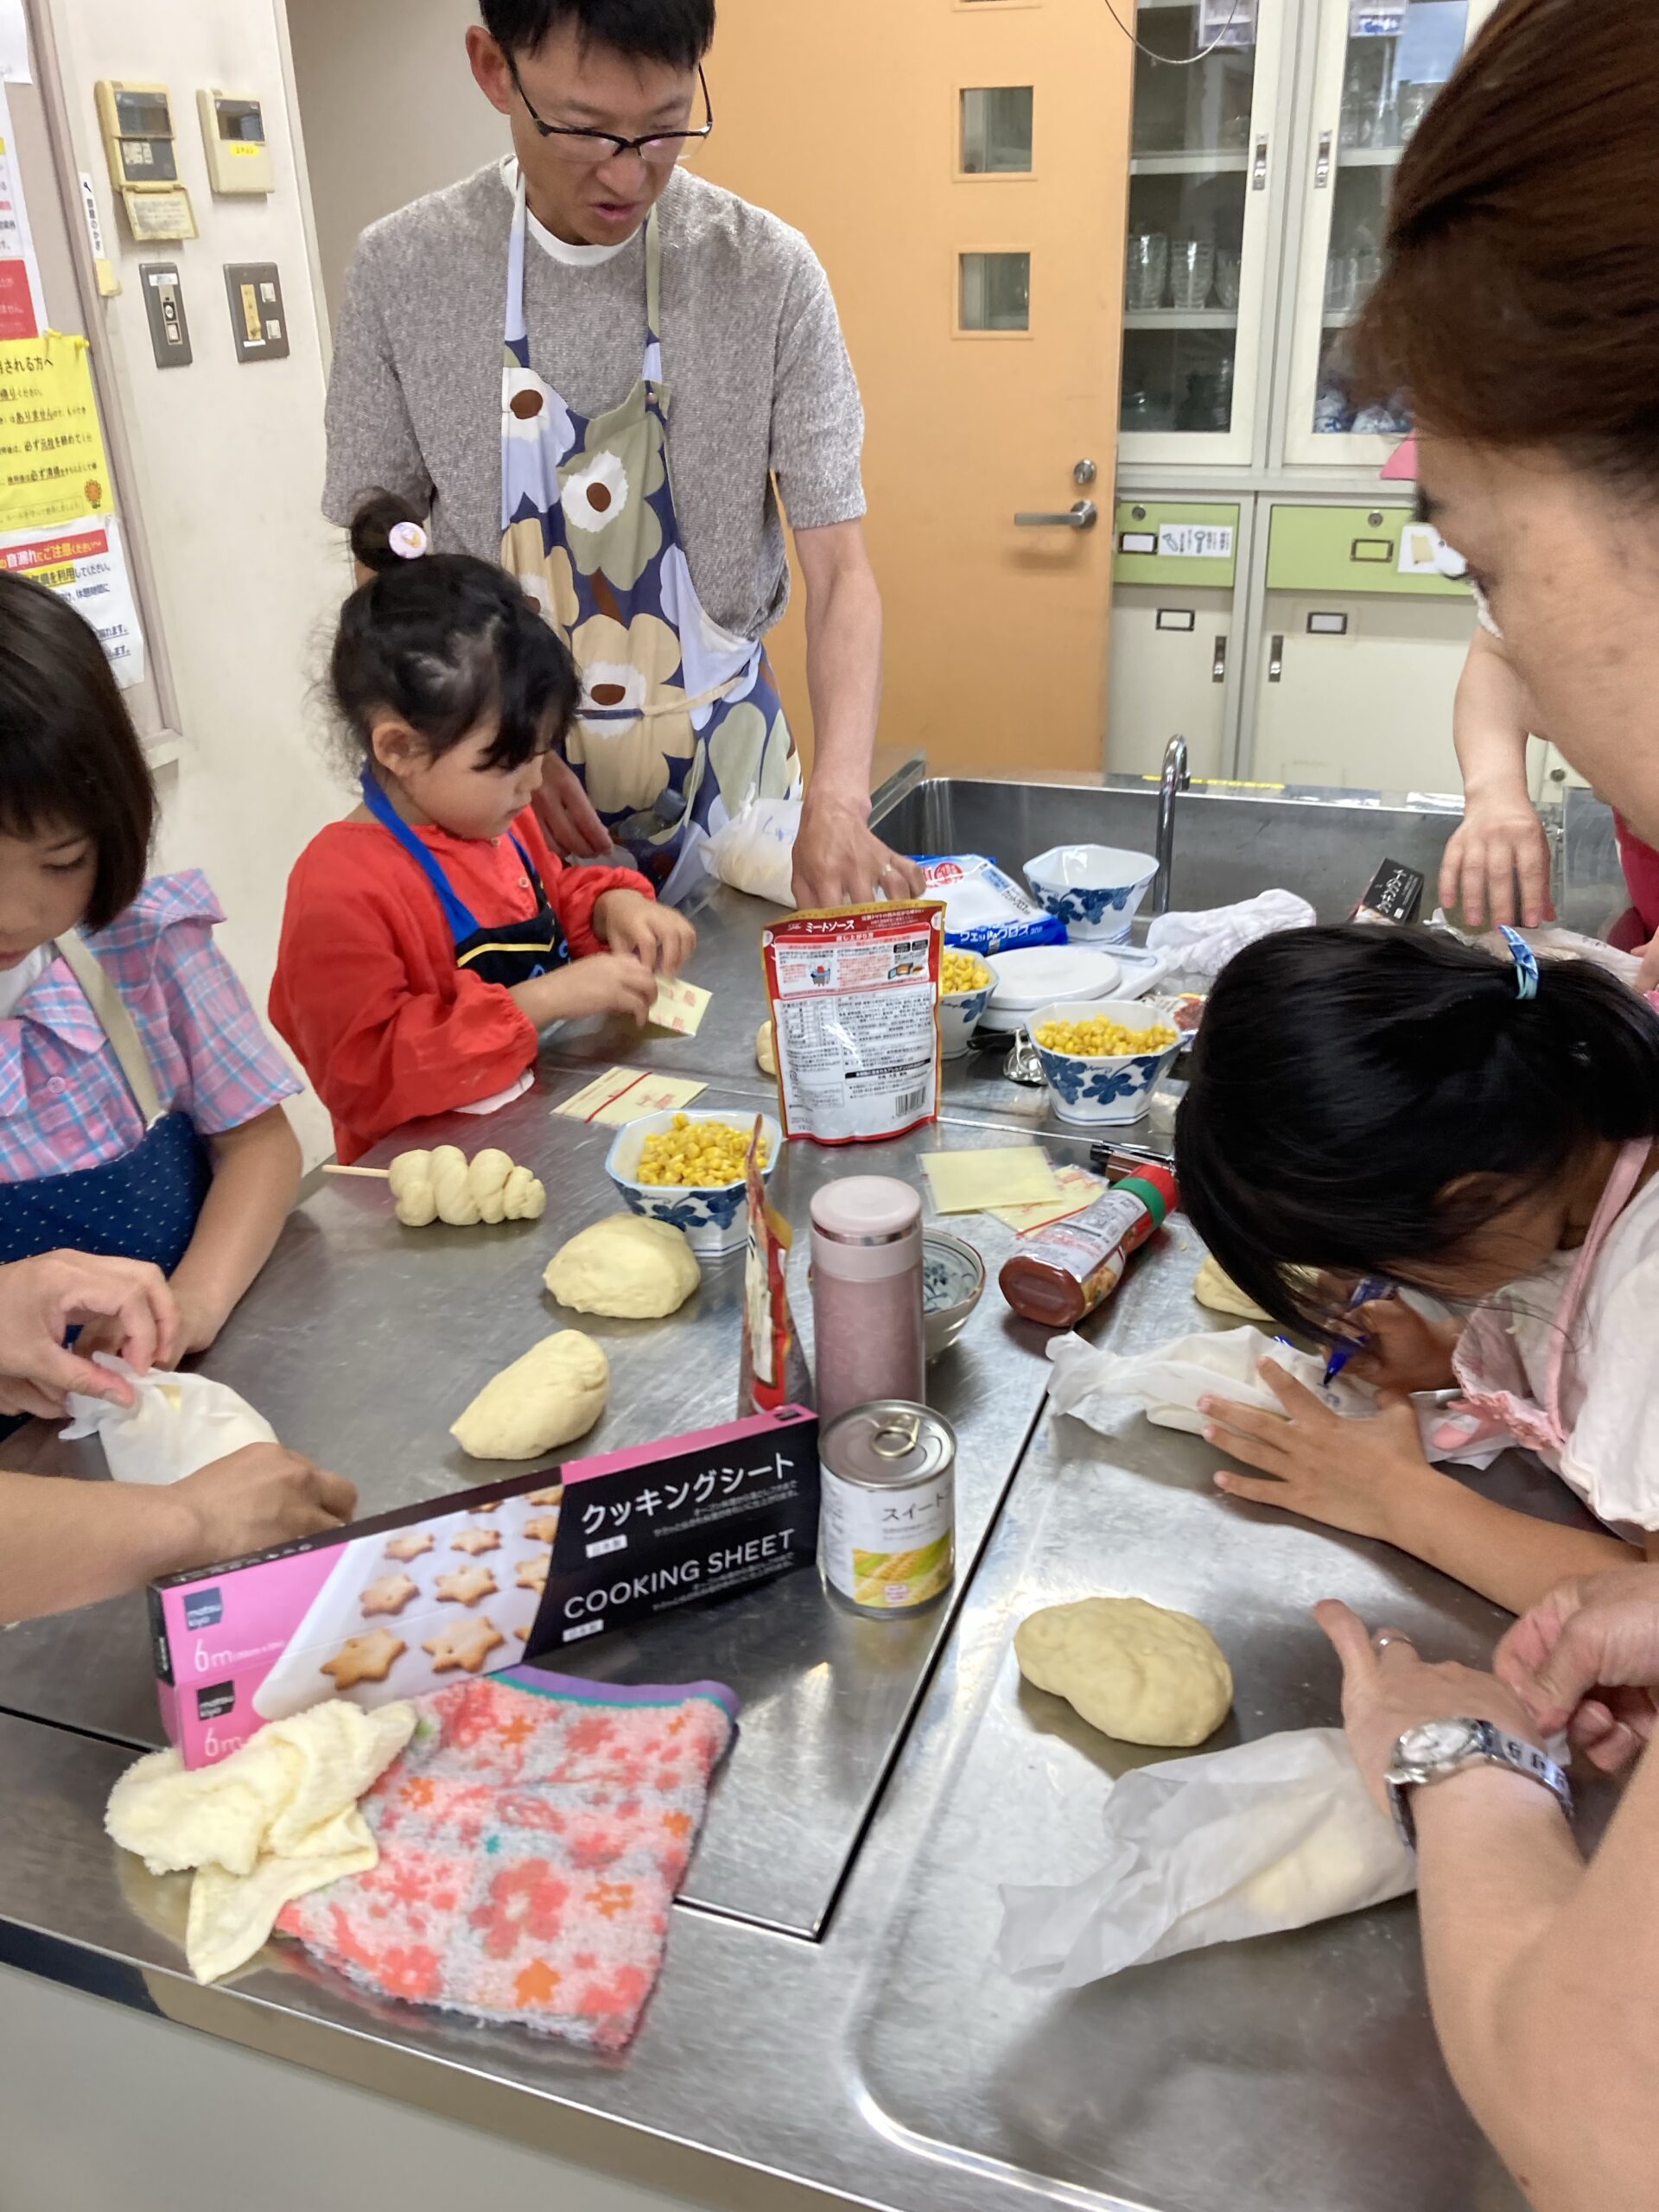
<point>445,1186</point>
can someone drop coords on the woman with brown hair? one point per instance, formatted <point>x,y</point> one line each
<point>1518,314</point>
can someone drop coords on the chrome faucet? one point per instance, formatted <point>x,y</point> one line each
<point>1175,779</point>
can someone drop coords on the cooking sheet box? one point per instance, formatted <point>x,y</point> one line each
<point>480,1580</point>
<point>648,1531</point>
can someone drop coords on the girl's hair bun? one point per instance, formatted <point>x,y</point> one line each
<point>385,529</point>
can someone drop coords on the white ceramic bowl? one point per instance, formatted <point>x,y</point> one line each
<point>960,1012</point>
<point>953,1278</point>
<point>1094,889</point>
<point>715,1220</point>
<point>1102,1091</point>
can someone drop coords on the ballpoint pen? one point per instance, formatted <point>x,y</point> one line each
<point>1365,1291</point>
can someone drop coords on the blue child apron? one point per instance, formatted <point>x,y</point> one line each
<point>680,720</point>
<point>498,952</point>
<point>142,1206</point>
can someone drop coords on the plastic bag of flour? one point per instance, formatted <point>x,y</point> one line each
<point>755,850</point>
<point>177,1424</point>
<point>984,910</point>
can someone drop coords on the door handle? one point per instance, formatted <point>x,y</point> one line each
<point>1084,516</point>
<point>1218,662</point>
<point>1322,165</point>
<point>1259,165</point>
<point>1276,659</point>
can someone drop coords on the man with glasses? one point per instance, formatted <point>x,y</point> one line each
<point>673,365</point>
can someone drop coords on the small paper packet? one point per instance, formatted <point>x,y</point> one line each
<point>625,1094</point>
<point>680,1006</point>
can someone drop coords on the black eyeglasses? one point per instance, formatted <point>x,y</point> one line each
<point>590,148</point>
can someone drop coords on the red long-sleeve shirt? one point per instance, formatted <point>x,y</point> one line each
<point>368,992</point>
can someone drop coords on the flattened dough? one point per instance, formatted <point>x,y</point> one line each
<point>627,1267</point>
<point>557,1391</point>
<point>1134,1671</point>
<point>1222,1295</point>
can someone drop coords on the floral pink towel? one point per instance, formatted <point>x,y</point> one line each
<point>532,1839</point>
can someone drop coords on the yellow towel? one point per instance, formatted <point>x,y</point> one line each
<point>273,1821</point>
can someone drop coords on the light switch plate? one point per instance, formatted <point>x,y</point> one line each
<point>258,319</point>
<point>170,331</point>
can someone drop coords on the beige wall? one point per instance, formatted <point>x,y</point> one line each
<point>228,463</point>
<point>390,110</point>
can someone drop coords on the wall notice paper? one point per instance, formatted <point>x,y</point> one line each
<point>1079,1191</point>
<point>979,1182</point>
<point>23,303</point>
<point>13,44</point>
<point>625,1094</point>
<point>54,471</point>
<point>86,564</point>
<point>680,1006</point>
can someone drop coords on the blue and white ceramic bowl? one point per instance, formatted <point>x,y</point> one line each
<point>717,1220</point>
<point>1099,1092</point>
<point>1094,889</point>
<point>953,1278</point>
<point>959,1013</point>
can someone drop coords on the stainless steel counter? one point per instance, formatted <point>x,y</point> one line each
<point>829,2011</point>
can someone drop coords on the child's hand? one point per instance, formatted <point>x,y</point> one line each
<point>1403,1351</point>
<point>606,982</point>
<point>1348,1474</point>
<point>630,923</point>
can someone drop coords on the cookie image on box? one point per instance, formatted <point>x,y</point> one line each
<point>467,1585</point>
<point>475,1541</point>
<point>543,1526</point>
<point>554,1496</point>
<point>366,1658</point>
<point>532,1574</point>
<point>411,1544</point>
<point>469,1644</point>
<point>390,1594</point>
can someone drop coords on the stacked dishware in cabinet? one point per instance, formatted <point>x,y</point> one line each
<point>1274,600</point>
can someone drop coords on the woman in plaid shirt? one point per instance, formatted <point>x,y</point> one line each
<point>141,1109</point>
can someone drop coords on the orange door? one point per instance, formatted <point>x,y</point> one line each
<point>961,167</point>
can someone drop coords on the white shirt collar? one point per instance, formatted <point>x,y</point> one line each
<point>560,249</point>
<point>16,983</point>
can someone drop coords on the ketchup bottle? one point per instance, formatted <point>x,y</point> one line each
<point>1060,1276</point>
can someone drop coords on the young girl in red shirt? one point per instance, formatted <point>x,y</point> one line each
<point>432,935</point>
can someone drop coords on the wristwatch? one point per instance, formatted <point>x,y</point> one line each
<point>1439,1748</point>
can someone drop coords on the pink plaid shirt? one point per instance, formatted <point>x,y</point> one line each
<point>64,1102</point>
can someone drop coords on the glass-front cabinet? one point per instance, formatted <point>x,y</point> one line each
<point>1378,65</point>
<point>1203,144</point>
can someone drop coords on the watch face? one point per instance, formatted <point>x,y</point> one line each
<point>1437,1741</point>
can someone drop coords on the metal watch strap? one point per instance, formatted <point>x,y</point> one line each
<point>1491,1747</point>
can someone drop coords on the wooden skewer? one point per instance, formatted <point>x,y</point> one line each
<point>382,1174</point>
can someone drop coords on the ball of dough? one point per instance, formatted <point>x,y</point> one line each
<point>410,1182</point>
<point>1133,1671</point>
<point>627,1267</point>
<point>557,1391</point>
<point>766,1049</point>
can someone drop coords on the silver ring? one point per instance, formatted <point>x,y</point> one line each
<point>1385,1636</point>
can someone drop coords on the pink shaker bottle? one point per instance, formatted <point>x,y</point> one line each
<point>867,1293</point>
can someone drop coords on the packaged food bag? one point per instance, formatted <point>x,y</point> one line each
<point>984,910</point>
<point>774,1370</point>
<point>1249,1841</point>
<point>176,1424</point>
<point>755,850</point>
<point>853,993</point>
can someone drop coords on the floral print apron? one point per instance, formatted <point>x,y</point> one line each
<point>679,721</point>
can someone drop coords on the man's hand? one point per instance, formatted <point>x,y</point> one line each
<point>567,814</point>
<point>1586,1660</point>
<point>42,1300</point>
<point>1347,1474</point>
<point>653,934</point>
<point>839,861</point>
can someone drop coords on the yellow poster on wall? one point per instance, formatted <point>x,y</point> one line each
<point>53,466</point>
